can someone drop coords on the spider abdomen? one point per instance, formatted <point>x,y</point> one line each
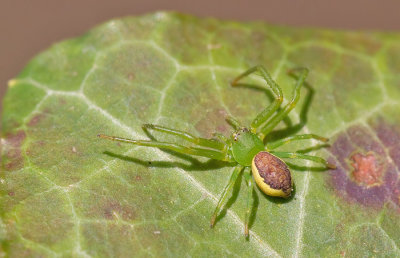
<point>272,175</point>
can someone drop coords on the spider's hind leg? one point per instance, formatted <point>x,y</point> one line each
<point>278,143</point>
<point>294,155</point>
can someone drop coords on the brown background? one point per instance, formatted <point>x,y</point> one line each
<point>30,26</point>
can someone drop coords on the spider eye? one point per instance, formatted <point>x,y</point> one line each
<point>272,175</point>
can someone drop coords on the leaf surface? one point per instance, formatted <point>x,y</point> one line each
<point>66,192</point>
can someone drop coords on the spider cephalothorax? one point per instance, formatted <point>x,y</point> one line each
<point>237,133</point>
<point>258,162</point>
<point>245,145</point>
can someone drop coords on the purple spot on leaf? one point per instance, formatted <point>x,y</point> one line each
<point>366,174</point>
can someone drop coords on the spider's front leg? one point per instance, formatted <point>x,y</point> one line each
<point>262,117</point>
<point>274,121</point>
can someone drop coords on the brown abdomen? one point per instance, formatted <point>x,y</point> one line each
<point>274,172</point>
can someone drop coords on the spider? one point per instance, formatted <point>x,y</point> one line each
<point>245,147</point>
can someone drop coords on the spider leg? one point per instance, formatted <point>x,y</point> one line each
<point>250,186</point>
<point>269,110</point>
<point>228,187</point>
<point>210,143</point>
<point>212,154</point>
<point>278,143</point>
<point>221,137</point>
<point>259,68</point>
<point>281,114</point>
<point>293,155</point>
<point>233,122</point>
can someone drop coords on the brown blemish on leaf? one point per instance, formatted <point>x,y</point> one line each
<point>39,117</point>
<point>11,145</point>
<point>213,121</point>
<point>368,170</point>
<point>62,101</point>
<point>131,76</point>
<point>36,119</point>
<point>114,210</point>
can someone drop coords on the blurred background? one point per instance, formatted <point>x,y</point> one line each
<point>28,27</point>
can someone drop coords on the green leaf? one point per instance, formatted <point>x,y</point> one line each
<point>66,192</point>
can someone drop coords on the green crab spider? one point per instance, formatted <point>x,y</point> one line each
<point>245,147</point>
